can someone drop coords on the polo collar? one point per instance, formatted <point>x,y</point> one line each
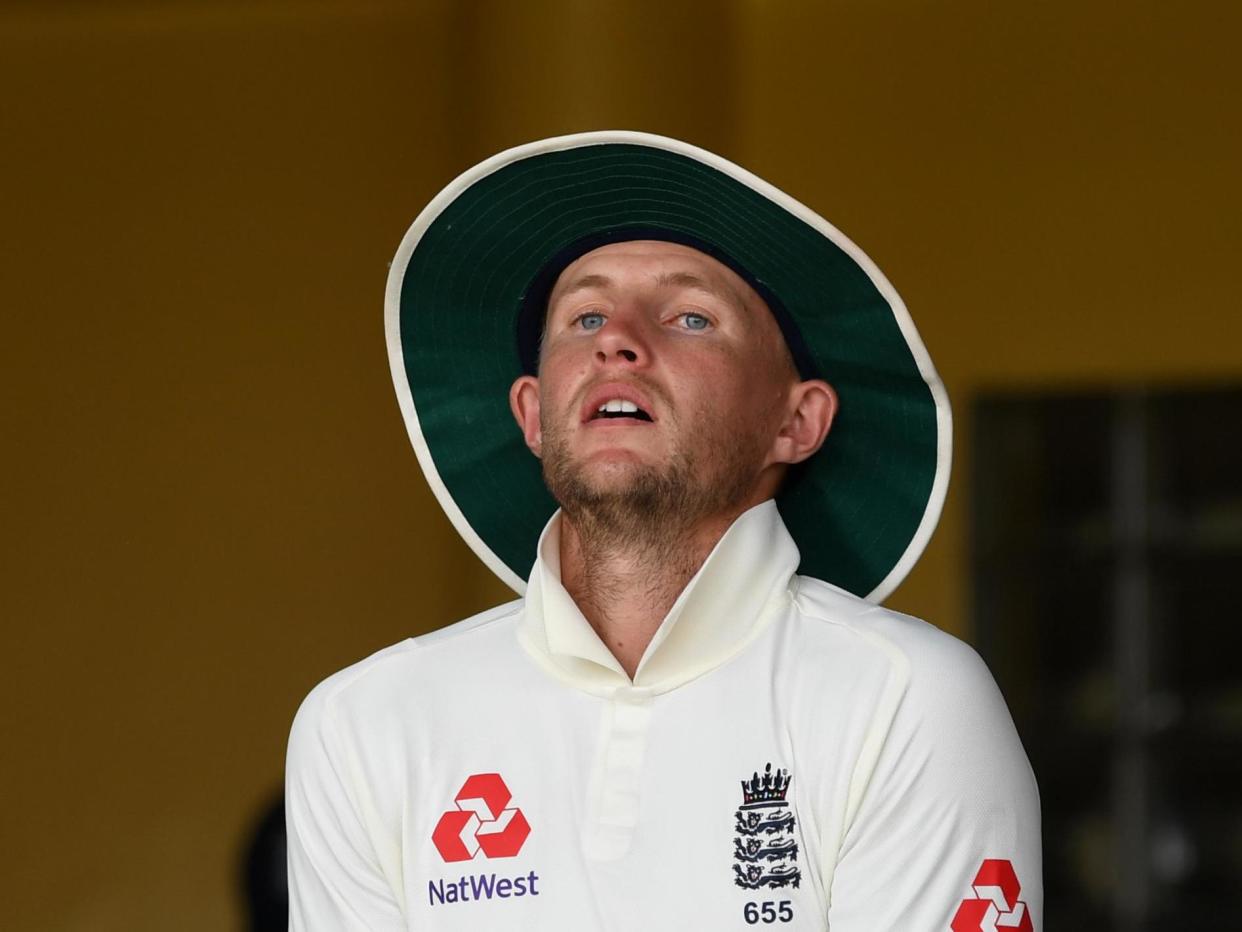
<point>729,601</point>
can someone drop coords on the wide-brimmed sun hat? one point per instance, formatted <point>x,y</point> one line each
<point>464,306</point>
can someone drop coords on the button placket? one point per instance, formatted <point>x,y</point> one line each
<point>614,802</point>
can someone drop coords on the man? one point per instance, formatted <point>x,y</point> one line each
<point>697,717</point>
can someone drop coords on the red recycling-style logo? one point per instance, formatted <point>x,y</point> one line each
<point>995,905</point>
<point>481,822</point>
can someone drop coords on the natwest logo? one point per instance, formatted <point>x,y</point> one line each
<point>482,821</point>
<point>995,905</point>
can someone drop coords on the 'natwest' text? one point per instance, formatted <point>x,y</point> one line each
<point>480,887</point>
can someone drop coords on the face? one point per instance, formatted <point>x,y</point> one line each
<point>664,384</point>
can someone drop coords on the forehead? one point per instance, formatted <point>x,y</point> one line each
<point>648,262</point>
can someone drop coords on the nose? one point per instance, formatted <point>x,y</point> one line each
<point>622,341</point>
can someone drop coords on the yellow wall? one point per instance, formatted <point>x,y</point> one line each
<point>209,501</point>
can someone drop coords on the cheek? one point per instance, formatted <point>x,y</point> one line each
<point>716,392</point>
<point>745,395</point>
<point>558,376</point>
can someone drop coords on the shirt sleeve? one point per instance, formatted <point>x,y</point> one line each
<point>946,832</point>
<point>335,878</point>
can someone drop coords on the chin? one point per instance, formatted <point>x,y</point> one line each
<point>614,458</point>
<point>613,475</point>
<point>613,480</point>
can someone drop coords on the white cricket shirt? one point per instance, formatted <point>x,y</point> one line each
<point>786,756</point>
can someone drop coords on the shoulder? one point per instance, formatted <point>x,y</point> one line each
<point>376,687</point>
<point>939,721</point>
<point>911,648</point>
<point>939,781</point>
<point>929,674</point>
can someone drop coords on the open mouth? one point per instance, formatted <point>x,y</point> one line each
<point>618,408</point>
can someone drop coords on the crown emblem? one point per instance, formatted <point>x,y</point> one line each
<point>770,788</point>
<point>765,836</point>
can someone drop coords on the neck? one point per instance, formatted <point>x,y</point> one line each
<point>624,583</point>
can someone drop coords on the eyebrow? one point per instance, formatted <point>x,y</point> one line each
<point>663,280</point>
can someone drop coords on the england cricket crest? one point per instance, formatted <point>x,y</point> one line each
<point>765,849</point>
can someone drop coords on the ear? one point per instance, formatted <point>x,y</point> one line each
<point>812,406</point>
<point>524,403</point>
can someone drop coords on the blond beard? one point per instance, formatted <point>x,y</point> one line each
<point>650,511</point>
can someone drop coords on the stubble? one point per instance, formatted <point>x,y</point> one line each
<point>650,510</point>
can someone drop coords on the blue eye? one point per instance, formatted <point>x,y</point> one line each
<point>591,320</point>
<point>695,321</point>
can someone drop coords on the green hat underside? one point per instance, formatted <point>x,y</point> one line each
<point>860,510</point>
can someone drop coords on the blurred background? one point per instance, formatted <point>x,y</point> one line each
<point>209,501</point>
